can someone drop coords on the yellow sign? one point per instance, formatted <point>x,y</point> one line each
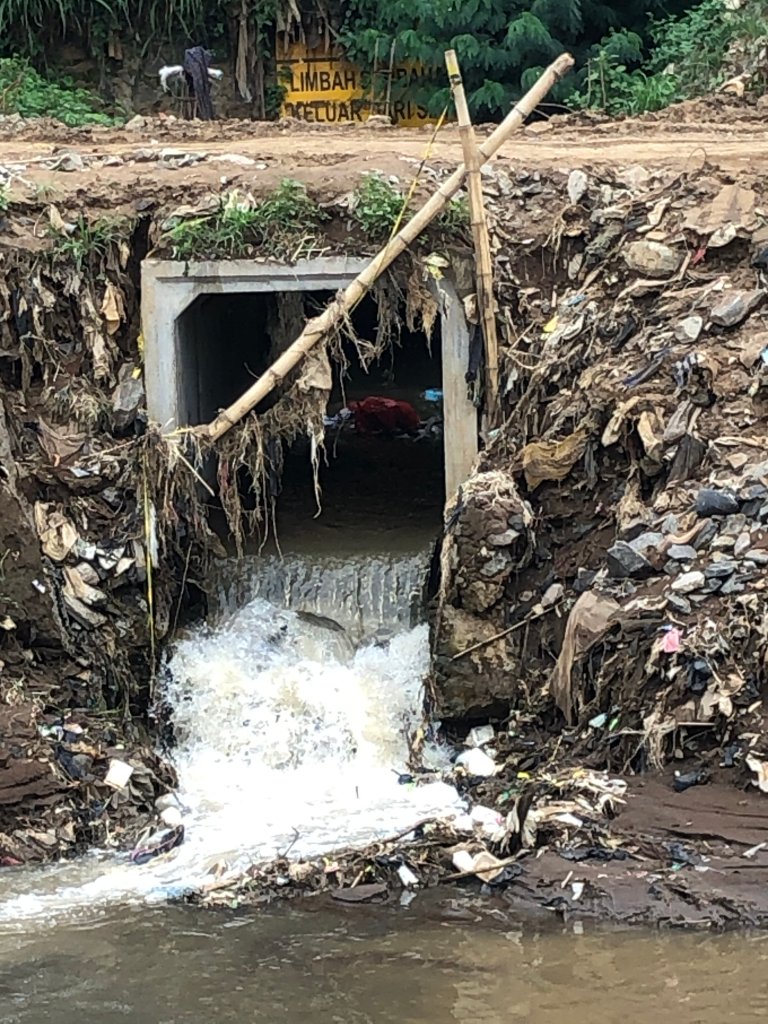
<point>325,88</point>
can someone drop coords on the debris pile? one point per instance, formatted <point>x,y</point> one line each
<point>65,787</point>
<point>637,388</point>
<point>94,526</point>
<point>569,810</point>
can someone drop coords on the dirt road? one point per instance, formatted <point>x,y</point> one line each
<point>177,156</point>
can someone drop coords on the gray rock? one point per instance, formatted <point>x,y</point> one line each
<point>705,536</point>
<point>502,540</point>
<point>181,157</point>
<point>689,582</point>
<point>626,563</point>
<point>646,542</point>
<point>689,329</point>
<point>584,580</point>
<point>720,570</point>
<point>734,525</point>
<point>742,545</point>
<point>136,124</point>
<point>679,604</point>
<point>578,183</point>
<point>670,525</point>
<point>69,162</point>
<point>496,564</point>
<point>723,543</point>
<point>756,492</point>
<point>752,509</point>
<point>652,259</point>
<point>127,399</point>
<point>682,552</point>
<point>81,613</point>
<point>735,307</point>
<point>710,502</point>
<point>758,556</point>
<point>733,586</point>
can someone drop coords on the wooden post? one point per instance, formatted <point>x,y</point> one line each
<point>390,76</point>
<point>486,302</point>
<point>320,326</point>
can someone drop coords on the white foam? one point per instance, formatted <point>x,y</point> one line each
<point>285,741</point>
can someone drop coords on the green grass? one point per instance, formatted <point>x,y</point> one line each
<point>89,241</point>
<point>376,206</point>
<point>283,225</point>
<point>23,90</point>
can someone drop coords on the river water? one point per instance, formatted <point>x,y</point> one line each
<point>429,963</point>
<point>291,713</point>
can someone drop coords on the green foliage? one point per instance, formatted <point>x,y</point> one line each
<point>88,243</point>
<point>24,91</point>
<point>608,85</point>
<point>455,217</point>
<point>376,206</point>
<point>284,225</point>
<point>31,26</point>
<point>686,59</point>
<point>4,199</point>
<point>502,45</point>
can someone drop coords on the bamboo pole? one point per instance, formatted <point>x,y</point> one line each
<point>321,325</point>
<point>486,303</point>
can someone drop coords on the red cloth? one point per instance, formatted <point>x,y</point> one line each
<point>384,415</point>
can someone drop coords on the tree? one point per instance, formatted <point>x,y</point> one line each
<point>502,45</point>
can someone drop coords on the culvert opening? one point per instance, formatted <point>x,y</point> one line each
<point>223,343</point>
<point>211,330</point>
<point>381,475</point>
<point>376,476</point>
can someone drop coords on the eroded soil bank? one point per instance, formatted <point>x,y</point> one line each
<point>602,589</point>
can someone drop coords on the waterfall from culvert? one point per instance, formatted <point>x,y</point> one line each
<point>291,715</point>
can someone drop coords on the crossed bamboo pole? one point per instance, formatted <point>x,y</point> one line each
<point>486,302</point>
<point>320,326</point>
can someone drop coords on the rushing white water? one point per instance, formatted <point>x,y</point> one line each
<point>288,738</point>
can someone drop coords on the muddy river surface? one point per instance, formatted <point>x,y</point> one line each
<point>430,962</point>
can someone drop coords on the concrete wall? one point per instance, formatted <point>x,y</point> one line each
<point>175,325</point>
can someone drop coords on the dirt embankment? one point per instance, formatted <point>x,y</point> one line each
<point>123,171</point>
<point>603,590</point>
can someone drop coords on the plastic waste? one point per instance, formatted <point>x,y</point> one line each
<point>697,777</point>
<point>699,676</point>
<point>433,395</point>
<point>671,642</point>
<point>480,736</point>
<point>407,877</point>
<point>118,775</point>
<point>484,865</point>
<point>163,841</point>
<point>488,819</point>
<point>376,415</point>
<point>476,762</point>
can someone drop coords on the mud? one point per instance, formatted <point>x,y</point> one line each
<point>684,860</point>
